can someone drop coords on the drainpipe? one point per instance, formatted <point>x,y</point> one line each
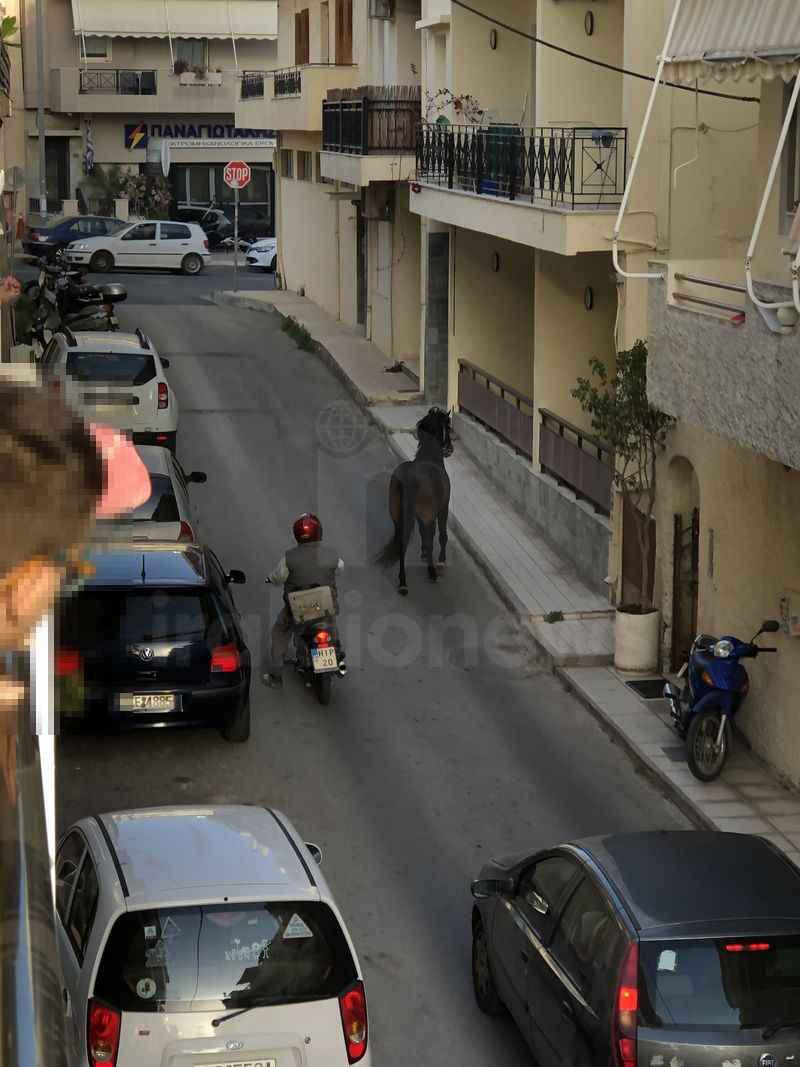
<point>636,155</point>
<point>40,109</point>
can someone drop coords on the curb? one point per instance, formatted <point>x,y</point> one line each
<point>669,788</point>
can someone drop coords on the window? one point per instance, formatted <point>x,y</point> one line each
<point>344,32</point>
<point>171,231</point>
<point>304,167</point>
<point>302,38</point>
<point>193,52</point>
<point>115,368</point>
<point>161,506</point>
<point>589,944</point>
<point>145,232</point>
<point>287,163</point>
<point>83,907</point>
<point>541,889</point>
<point>96,47</point>
<point>68,861</point>
<point>791,169</point>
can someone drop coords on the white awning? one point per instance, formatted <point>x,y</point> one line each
<point>253,19</point>
<point>723,39</point>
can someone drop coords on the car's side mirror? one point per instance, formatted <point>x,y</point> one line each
<point>236,577</point>
<point>485,888</point>
<point>316,852</point>
<point>770,626</point>
<point>164,362</point>
<point>197,477</point>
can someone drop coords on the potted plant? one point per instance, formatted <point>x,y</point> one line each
<point>621,414</point>
<point>180,66</point>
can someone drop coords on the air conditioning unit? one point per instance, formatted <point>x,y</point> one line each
<point>381,9</point>
<point>377,202</point>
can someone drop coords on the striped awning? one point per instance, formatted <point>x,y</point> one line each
<point>253,19</point>
<point>723,39</point>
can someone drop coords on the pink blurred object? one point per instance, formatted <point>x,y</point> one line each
<point>127,481</point>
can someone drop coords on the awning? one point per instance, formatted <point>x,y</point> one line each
<point>723,39</point>
<point>253,19</point>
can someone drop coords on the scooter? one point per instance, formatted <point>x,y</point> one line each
<point>315,648</point>
<point>715,687</point>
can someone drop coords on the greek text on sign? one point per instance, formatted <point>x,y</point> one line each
<point>237,174</point>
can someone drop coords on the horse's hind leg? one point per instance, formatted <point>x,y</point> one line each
<point>443,517</point>
<point>427,549</point>
<point>421,526</point>
<point>407,529</point>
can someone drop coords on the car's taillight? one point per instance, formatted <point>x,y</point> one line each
<point>353,1006</point>
<point>225,659</point>
<point>749,946</point>
<point>322,638</point>
<point>625,1010</point>
<point>163,395</point>
<point>187,533</point>
<point>103,1034</point>
<point>67,661</point>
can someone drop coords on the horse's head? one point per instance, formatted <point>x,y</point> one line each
<point>438,424</point>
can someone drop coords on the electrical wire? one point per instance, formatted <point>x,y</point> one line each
<point>598,62</point>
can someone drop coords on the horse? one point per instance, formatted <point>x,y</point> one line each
<point>420,490</point>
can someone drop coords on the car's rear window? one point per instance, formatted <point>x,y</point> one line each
<point>92,619</point>
<point>119,368</point>
<point>161,506</point>
<point>224,956</point>
<point>737,983</point>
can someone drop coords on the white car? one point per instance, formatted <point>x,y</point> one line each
<point>203,937</point>
<point>168,514</point>
<point>114,378</point>
<point>263,254</point>
<point>178,245</point>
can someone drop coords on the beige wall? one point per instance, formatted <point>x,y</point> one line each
<point>393,47</point>
<point>393,282</point>
<point>769,262</point>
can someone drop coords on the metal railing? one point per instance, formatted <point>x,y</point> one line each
<point>31,1005</point>
<point>500,407</point>
<point>119,82</point>
<point>711,283</point>
<point>5,70</point>
<point>562,166</point>
<point>576,459</point>
<point>252,85</point>
<point>288,82</point>
<point>361,126</point>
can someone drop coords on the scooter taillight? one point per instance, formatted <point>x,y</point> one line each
<point>322,639</point>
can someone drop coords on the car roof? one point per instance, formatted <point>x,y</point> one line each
<point>132,564</point>
<point>173,853</point>
<point>699,880</point>
<point>106,341</point>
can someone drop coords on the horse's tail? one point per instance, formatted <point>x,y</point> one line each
<point>393,550</point>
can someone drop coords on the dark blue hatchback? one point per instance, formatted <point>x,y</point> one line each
<point>44,240</point>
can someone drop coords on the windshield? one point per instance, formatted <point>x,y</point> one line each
<point>211,957</point>
<point>117,368</point>
<point>736,983</point>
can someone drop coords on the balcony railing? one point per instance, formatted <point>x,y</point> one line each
<point>5,70</point>
<point>361,126</point>
<point>576,459</point>
<point>288,82</point>
<point>252,85</point>
<point>499,406</point>
<point>562,166</point>
<point>119,82</point>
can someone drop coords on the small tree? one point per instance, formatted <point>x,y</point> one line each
<point>621,414</point>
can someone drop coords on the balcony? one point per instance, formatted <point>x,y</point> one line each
<point>291,99</point>
<point>553,188</point>
<point>498,406</point>
<point>5,71</point>
<point>576,459</point>
<point>108,91</point>
<point>716,362</point>
<point>370,140</point>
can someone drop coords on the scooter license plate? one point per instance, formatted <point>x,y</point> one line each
<point>324,659</point>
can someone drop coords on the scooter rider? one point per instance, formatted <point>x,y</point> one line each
<point>308,564</point>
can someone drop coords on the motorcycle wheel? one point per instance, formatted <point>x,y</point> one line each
<point>323,686</point>
<point>704,758</point>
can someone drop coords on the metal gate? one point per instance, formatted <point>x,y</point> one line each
<point>685,581</point>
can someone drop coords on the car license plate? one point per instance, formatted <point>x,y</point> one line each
<point>324,659</point>
<point>243,1062</point>
<point>146,702</point>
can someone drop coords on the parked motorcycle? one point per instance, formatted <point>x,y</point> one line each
<point>59,298</point>
<point>316,649</point>
<point>715,687</point>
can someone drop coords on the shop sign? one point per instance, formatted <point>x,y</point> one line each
<point>197,135</point>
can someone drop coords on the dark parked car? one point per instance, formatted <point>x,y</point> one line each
<point>214,222</point>
<point>154,637</point>
<point>254,220</point>
<point>645,948</point>
<point>45,240</point>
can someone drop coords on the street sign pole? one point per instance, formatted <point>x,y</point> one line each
<point>236,175</point>
<point>236,239</point>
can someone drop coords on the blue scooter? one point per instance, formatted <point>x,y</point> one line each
<point>715,688</point>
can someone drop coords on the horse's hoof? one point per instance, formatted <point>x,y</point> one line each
<point>403,590</point>
<point>442,564</point>
<point>433,576</point>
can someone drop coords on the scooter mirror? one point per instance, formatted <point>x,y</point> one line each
<point>770,626</point>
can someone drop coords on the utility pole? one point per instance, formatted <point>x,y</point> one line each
<point>40,109</point>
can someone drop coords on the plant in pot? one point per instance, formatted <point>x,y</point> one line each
<point>180,66</point>
<point>199,72</point>
<point>616,401</point>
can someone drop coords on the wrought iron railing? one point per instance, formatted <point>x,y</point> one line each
<point>252,85</point>
<point>288,82</point>
<point>576,459</point>
<point>562,166</point>
<point>5,70</point>
<point>120,82</point>
<point>500,407</point>
<point>361,126</point>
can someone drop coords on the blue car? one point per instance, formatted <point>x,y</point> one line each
<point>45,240</point>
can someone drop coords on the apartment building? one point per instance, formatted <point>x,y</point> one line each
<point>345,101</point>
<point>121,79</point>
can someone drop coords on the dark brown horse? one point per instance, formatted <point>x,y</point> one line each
<point>420,492</point>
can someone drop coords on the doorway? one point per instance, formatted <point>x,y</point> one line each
<point>437,319</point>
<point>361,268</point>
<point>685,498</point>
<point>56,151</point>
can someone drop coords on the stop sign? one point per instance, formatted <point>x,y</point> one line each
<point>237,174</point>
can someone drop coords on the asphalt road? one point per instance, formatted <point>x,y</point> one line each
<point>448,742</point>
